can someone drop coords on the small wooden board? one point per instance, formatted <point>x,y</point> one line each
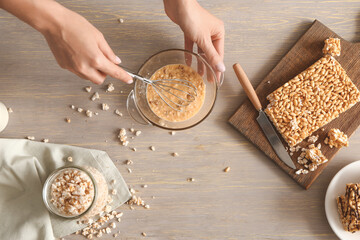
<point>304,53</point>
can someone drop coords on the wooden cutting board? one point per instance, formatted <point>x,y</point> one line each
<point>304,53</point>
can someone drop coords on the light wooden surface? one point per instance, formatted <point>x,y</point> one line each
<point>255,200</point>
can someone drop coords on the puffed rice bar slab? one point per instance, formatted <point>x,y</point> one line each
<point>311,100</point>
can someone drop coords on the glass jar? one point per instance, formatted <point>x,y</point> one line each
<point>75,192</point>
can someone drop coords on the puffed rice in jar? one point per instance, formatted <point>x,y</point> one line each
<point>73,192</point>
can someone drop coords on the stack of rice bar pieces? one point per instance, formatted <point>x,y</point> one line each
<point>348,207</point>
<point>311,100</point>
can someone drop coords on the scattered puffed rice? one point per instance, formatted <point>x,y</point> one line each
<point>69,159</point>
<point>45,140</point>
<point>137,133</point>
<point>114,192</point>
<point>68,120</point>
<point>80,110</point>
<point>172,133</point>
<point>144,186</point>
<point>88,89</point>
<point>105,106</point>
<point>117,112</point>
<point>89,113</point>
<point>10,110</point>
<point>175,154</point>
<point>336,138</point>
<point>95,96</point>
<point>122,132</point>
<point>301,171</point>
<point>144,234</point>
<point>147,206</point>
<point>128,162</point>
<point>107,208</point>
<point>313,139</point>
<point>152,148</point>
<point>129,170</point>
<point>227,169</point>
<point>190,179</point>
<point>110,87</point>
<point>115,235</point>
<point>72,106</point>
<point>121,20</point>
<point>113,181</point>
<point>134,149</point>
<point>332,47</point>
<point>30,137</point>
<point>113,225</point>
<point>132,130</point>
<point>108,230</point>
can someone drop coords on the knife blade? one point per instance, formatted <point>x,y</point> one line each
<point>274,139</point>
<point>262,119</point>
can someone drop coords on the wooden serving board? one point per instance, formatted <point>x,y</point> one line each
<point>304,53</point>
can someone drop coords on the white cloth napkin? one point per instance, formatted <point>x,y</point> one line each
<point>24,167</point>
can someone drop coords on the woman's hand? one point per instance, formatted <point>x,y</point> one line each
<point>80,48</point>
<point>76,44</point>
<point>199,27</point>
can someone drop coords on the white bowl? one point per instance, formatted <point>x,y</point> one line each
<point>348,174</point>
<point>4,116</point>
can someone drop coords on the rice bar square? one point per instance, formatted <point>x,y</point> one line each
<point>311,99</point>
<point>336,138</point>
<point>332,47</point>
<point>348,207</point>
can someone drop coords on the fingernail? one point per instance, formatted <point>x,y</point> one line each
<point>117,60</point>
<point>130,81</point>
<point>220,67</point>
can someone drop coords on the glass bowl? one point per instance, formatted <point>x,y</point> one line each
<point>137,104</point>
<point>46,194</point>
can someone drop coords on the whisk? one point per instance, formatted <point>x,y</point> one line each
<point>164,87</point>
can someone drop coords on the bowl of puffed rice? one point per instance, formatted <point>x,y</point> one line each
<point>70,192</point>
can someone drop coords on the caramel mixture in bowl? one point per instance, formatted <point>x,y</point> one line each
<point>161,109</point>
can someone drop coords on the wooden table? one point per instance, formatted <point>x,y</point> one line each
<point>255,200</point>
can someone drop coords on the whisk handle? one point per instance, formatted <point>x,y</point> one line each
<point>135,76</point>
<point>131,74</point>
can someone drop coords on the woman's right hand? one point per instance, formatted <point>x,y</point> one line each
<point>82,49</point>
<point>76,44</point>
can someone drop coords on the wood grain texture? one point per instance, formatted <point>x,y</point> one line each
<point>255,200</point>
<point>302,55</point>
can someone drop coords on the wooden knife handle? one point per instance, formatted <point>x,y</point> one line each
<point>246,84</point>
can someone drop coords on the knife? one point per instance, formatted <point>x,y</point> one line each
<point>262,119</point>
